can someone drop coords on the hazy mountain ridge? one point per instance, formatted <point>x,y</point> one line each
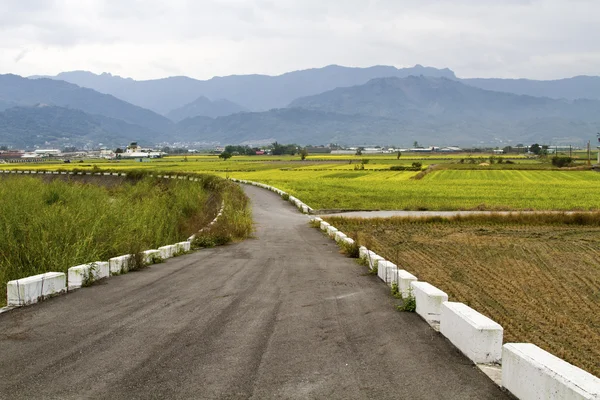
<point>23,127</point>
<point>444,98</point>
<point>577,87</point>
<point>254,92</point>
<point>26,92</point>
<point>399,111</point>
<point>203,106</point>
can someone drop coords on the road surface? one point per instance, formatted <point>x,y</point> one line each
<point>282,315</point>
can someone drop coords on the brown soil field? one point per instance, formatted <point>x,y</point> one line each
<point>539,277</point>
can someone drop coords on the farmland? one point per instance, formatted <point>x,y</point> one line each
<point>54,225</point>
<point>348,183</point>
<point>539,277</point>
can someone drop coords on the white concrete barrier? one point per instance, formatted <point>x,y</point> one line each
<point>119,265</point>
<point>363,252</point>
<point>531,373</point>
<point>324,225</point>
<point>183,247</point>
<point>339,236</point>
<point>87,273</point>
<point>331,231</point>
<point>30,290</point>
<point>429,300</point>
<point>474,334</point>
<point>305,209</point>
<point>316,219</point>
<point>386,271</point>
<point>404,279</point>
<point>373,259</point>
<point>167,251</point>
<point>150,255</point>
<point>348,241</point>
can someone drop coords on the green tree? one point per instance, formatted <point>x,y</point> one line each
<point>398,155</point>
<point>225,155</point>
<point>303,154</point>
<point>535,149</point>
<point>359,151</point>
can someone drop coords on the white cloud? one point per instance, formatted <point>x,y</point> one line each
<point>150,38</point>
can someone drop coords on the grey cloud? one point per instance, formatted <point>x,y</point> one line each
<point>473,37</point>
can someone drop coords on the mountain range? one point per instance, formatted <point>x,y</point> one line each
<point>332,104</point>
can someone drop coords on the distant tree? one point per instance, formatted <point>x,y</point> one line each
<point>70,149</point>
<point>560,162</point>
<point>416,144</point>
<point>535,149</point>
<point>3,148</point>
<point>359,151</point>
<point>166,149</point>
<point>303,154</point>
<point>225,155</point>
<point>398,155</point>
<point>120,150</point>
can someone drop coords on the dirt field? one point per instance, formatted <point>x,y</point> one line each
<point>540,280</point>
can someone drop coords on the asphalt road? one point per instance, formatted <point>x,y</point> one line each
<point>283,315</point>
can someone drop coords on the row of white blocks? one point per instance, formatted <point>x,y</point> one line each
<point>528,372</point>
<point>299,204</point>
<point>48,172</point>
<point>32,289</point>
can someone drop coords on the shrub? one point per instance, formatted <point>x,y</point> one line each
<point>562,161</point>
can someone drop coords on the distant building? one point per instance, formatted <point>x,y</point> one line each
<point>47,152</point>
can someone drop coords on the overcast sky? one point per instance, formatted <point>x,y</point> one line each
<point>144,39</point>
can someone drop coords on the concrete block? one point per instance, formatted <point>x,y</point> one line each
<point>316,219</point>
<point>429,300</point>
<point>324,225</point>
<point>474,334</point>
<point>150,255</point>
<point>167,251</point>
<point>331,231</point>
<point>119,265</point>
<point>363,252</point>
<point>91,272</point>
<point>404,279</point>
<point>339,236</point>
<point>386,271</point>
<point>32,289</point>
<point>373,259</point>
<point>348,241</point>
<point>529,373</point>
<point>305,209</point>
<point>183,247</point>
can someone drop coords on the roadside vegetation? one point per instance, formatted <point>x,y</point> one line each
<point>52,225</point>
<point>536,275</point>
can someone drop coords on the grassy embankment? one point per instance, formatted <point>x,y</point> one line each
<point>538,276</point>
<point>52,226</point>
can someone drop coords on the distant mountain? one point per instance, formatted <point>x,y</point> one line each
<point>578,87</point>
<point>254,92</point>
<point>26,92</point>
<point>202,106</point>
<point>399,111</point>
<point>419,97</point>
<point>24,127</point>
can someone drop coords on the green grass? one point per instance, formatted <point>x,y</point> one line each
<point>52,226</point>
<point>330,182</point>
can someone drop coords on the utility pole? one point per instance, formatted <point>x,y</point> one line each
<point>570,152</point>
<point>589,154</point>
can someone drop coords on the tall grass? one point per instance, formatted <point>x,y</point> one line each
<point>52,226</point>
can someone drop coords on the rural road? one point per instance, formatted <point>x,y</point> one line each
<point>282,316</point>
